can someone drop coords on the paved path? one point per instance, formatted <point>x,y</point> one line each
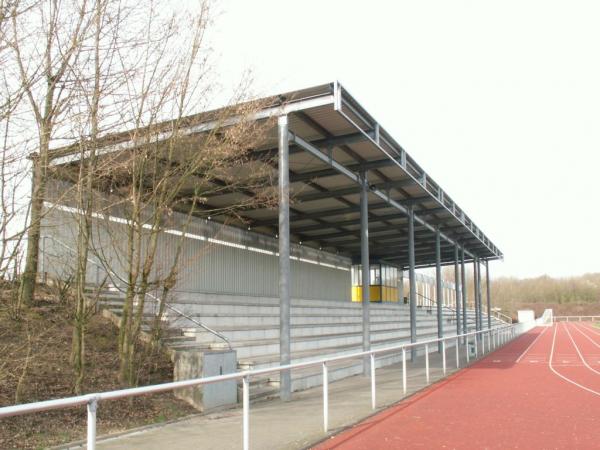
<point>291,425</point>
<point>541,391</point>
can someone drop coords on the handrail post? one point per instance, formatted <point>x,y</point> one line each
<point>325,398</point>
<point>404,370</point>
<point>444,356</point>
<point>467,348</point>
<point>92,407</point>
<point>427,362</point>
<point>475,340</point>
<point>373,390</point>
<point>457,354</point>
<point>246,413</point>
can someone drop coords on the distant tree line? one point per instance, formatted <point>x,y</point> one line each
<point>568,295</point>
<point>572,295</point>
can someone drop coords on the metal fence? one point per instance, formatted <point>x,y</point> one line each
<point>576,318</point>
<point>476,341</point>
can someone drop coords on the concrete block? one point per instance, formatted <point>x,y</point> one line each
<point>195,363</point>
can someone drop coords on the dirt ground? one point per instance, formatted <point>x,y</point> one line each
<point>35,354</point>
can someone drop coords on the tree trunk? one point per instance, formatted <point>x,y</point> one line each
<point>38,190</point>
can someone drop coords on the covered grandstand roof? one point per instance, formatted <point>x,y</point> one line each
<point>334,142</point>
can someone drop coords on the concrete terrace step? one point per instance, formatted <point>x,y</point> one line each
<point>312,376</point>
<point>252,348</point>
<point>261,332</point>
<point>257,347</point>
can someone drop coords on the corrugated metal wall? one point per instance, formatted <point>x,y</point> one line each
<point>215,258</point>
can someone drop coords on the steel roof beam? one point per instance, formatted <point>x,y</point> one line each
<point>369,165</point>
<point>336,166</point>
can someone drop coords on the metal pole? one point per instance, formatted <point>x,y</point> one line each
<point>438,288</point>
<point>92,407</point>
<point>427,362</point>
<point>475,340</point>
<point>467,347</point>
<point>245,413</point>
<point>487,292</point>
<point>457,355</point>
<point>401,286</point>
<point>373,391</point>
<point>404,371</point>
<point>366,272</point>
<point>285,387</point>
<point>463,291</point>
<point>444,356</point>
<point>457,289</point>
<point>325,398</point>
<point>479,296</point>
<point>412,280</point>
<point>475,299</point>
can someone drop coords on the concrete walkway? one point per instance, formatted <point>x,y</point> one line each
<point>297,424</point>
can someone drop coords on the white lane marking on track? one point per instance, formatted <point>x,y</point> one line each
<point>588,338</point>
<point>568,380</point>
<point>579,353</point>
<point>531,345</point>
<point>590,328</point>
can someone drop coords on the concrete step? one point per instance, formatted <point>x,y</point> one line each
<point>312,376</point>
<point>252,348</point>
<point>238,333</point>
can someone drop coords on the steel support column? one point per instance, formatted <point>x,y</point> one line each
<point>401,287</point>
<point>285,385</point>
<point>479,296</point>
<point>463,289</point>
<point>366,272</point>
<point>457,289</point>
<point>475,294</point>
<point>412,281</point>
<point>487,291</point>
<point>439,294</point>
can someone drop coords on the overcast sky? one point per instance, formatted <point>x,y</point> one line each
<point>498,101</point>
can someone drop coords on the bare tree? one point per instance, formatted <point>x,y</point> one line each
<point>134,68</point>
<point>13,164</point>
<point>160,176</point>
<point>94,77</point>
<point>48,90</point>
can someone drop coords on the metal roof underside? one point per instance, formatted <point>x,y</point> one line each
<point>332,141</point>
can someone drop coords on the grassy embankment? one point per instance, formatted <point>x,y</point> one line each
<point>35,360</point>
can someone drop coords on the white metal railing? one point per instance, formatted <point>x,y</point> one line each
<point>114,276</point>
<point>576,318</point>
<point>496,314</point>
<point>494,338</point>
<point>501,316</point>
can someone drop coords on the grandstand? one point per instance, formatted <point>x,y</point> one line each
<point>331,271</point>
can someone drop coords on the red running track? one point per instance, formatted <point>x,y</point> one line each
<point>541,391</point>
